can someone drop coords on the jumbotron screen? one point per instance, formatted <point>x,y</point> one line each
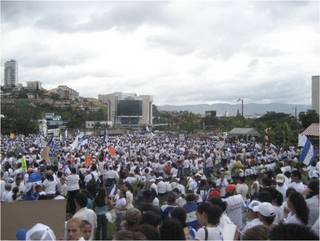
<point>129,108</point>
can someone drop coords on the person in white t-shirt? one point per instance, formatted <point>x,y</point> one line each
<point>50,185</point>
<point>281,186</point>
<point>208,216</point>
<point>252,216</point>
<point>296,182</point>
<point>73,188</point>
<point>235,204</point>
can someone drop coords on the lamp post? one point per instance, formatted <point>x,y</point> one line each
<point>241,99</point>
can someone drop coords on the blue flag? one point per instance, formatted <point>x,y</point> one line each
<point>308,153</point>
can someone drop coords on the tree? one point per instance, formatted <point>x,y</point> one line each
<point>308,118</point>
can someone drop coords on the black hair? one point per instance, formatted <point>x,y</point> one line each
<point>149,231</point>
<point>265,196</point>
<point>73,170</point>
<point>171,229</point>
<point>296,173</point>
<point>218,201</point>
<point>128,235</point>
<point>267,220</point>
<point>81,199</point>
<point>152,218</point>
<point>266,182</point>
<point>49,177</point>
<point>314,187</point>
<point>300,206</point>
<point>191,197</point>
<point>292,231</point>
<point>259,232</point>
<point>289,191</point>
<point>100,199</point>
<point>213,212</point>
<point>180,214</point>
<point>15,191</point>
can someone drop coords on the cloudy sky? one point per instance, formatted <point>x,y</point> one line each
<point>181,52</point>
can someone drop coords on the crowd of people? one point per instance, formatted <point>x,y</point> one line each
<point>162,187</point>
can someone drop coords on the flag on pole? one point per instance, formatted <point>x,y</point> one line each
<point>302,140</point>
<point>308,153</point>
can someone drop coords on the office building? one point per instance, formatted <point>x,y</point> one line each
<point>315,93</point>
<point>34,85</point>
<point>128,109</point>
<point>10,74</point>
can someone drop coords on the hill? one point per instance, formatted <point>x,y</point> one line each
<point>251,109</point>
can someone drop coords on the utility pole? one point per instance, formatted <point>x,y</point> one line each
<point>295,112</point>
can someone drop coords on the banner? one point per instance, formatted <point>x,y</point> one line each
<point>88,161</point>
<point>112,151</point>
<point>45,154</point>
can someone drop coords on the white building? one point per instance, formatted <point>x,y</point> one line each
<point>10,74</point>
<point>34,85</point>
<point>315,93</point>
<point>128,108</point>
<point>65,92</point>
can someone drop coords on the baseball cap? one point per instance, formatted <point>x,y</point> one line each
<point>230,188</point>
<point>254,205</point>
<point>266,209</point>
<point>214,194</point>
<point>37,232</point>
<point>280,178</point>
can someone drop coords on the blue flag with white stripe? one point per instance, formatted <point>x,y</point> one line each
<point>308,153</point>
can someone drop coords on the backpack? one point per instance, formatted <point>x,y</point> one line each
<point>92,184</point>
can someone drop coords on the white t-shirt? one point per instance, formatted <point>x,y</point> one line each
<point>252,223</point>
<point>214,233</point>
<point>299,187</point>
<point>50,186</point>
<point>234,209</point>
<point>162,187</point>
<point>72,182</point>
<point>292,218</point>
<point>242,188</point>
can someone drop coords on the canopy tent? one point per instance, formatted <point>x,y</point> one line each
<point>243,132</point>
<point>312,130</point>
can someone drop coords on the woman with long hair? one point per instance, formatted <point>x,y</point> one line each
<point>298,209</point>
<point>101,205</point>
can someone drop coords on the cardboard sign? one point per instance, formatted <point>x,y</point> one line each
<point>25,214</point>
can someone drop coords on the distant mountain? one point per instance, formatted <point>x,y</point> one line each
<point>231,110</point>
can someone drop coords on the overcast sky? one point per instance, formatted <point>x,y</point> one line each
<point>181,52</point>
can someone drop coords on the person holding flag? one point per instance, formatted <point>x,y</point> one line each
<point>308,154</point>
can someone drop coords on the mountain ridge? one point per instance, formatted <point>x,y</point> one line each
<point>250,109</point>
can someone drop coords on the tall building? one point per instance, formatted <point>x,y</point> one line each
<point>315,93</point>
<point>10,74</point>
<point>128,109</point>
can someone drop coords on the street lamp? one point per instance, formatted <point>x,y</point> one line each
<point>241,99</point>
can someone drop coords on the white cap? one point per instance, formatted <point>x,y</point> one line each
<point>254,205</point>
<point>266,209</point>
<point>280,178</point>
<point>40,232</point>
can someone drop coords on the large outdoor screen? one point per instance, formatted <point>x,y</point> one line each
<point>129,108</point>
